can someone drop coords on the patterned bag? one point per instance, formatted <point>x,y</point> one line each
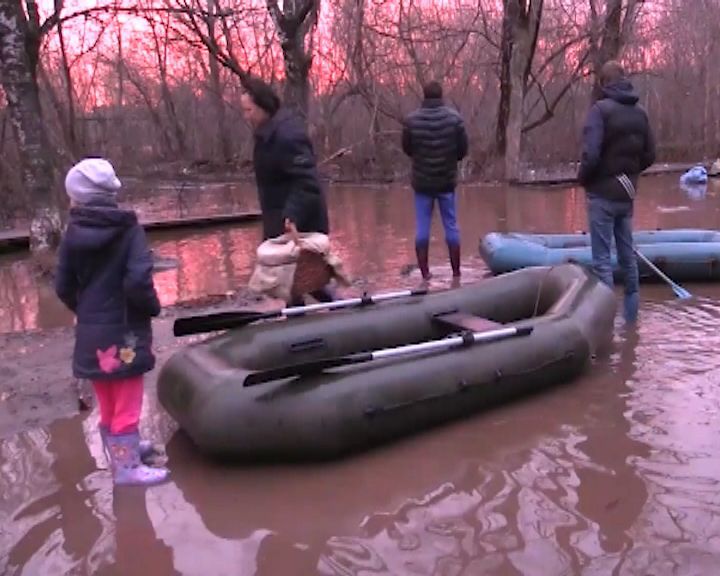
<point>288,270</point>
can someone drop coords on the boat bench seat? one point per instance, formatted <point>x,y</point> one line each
<point>466,322</point>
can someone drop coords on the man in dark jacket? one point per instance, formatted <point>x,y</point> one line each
<point>618,144</point>
<point>291,197</point>
<point>434,137</point>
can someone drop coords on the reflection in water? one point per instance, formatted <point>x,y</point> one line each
<point>613,474</point>
<point>57,521</point>
<point>139,550</point>
<point>372,230</point>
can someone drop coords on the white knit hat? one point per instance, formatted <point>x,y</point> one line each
<point>92,179</point>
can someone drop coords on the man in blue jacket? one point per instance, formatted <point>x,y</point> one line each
<point>618,144</point>
<point>434,137</point>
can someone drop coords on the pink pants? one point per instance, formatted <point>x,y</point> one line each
<point>120,402</point>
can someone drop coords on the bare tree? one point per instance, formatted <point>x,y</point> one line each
<point>295,23</point>
<point>21,33</point>
<point>216,90</point>
<point>521,25</point>
<point>519,71</point>
<point>610,29</point>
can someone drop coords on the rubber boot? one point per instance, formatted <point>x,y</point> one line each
<point>324,294</point>
<point>454,252</point>
<point>421,251</point>
<point>150,454</point>
<point>631,304</point>
<point>127,468</point>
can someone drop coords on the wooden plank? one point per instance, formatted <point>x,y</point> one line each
<point>201,221</point>
<point>14,240</point>
<point>467,322</point>
<point>567,174</point>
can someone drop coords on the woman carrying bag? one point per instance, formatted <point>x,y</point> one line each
<point>291,198</point>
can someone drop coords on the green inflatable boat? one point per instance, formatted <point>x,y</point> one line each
<point>312,388</point>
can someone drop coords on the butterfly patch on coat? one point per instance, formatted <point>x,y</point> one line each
<point>107,359</point>
<point>127,352</point>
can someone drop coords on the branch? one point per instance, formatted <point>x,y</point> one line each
<point>550,107</point>
<point>53,19</point>
<point>561,50</point>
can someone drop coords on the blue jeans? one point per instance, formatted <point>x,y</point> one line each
<point>608,218</point>
<point>424,204</point>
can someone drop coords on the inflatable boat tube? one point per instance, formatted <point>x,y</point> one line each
<point>685,255</point>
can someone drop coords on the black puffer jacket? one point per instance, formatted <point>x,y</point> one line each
<point>287,179</point>
<point>104,275</point>
<point>617,139</point>
<point>434,137</point>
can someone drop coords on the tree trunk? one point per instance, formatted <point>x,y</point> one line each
<point>615,30</point>
<point>69,94</point>
<point>506,49</point>
<point>293,23</point>
<point>216,92</point>
<point>297,67</point>
<point>716,151</point>
<point>708,137</point>
<point>21,89</point>
<point>216,97</point>
<point>515,115</point>
<point>178,132</point>
<point>521,25</point>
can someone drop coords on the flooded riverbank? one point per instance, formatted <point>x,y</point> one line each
<point>615,473</point>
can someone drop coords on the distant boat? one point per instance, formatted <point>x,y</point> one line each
<point>683,254</point>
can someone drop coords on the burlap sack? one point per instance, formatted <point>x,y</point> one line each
<point>287,270</point>
<point>715,168</point>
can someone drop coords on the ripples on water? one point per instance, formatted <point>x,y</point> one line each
<point>616,473</point>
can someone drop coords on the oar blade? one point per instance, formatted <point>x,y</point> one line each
<point>226,320</point>
<point>217,321</point>
<point>444,345</point>
<point>681,293</point>
<point>306,368</point>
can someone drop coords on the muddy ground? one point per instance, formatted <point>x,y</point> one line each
<point>36,381</point>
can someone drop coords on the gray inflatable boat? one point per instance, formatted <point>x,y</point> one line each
<point>287,389</point>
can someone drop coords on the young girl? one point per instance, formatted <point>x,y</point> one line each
<point>104,276</point>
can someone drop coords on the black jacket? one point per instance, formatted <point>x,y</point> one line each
<point>104,275</point>
<point>617,139</point>
<point>434,137</point>
<point>287,179</point>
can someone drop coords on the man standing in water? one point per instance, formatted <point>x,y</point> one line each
<point>434,137</point>
<point>291,198</point>
<point>618,144</point>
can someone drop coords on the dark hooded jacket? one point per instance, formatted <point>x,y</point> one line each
<point>287,179</point>
<point>434,137</point>
<point>617,139</point>
<point>104,276</point>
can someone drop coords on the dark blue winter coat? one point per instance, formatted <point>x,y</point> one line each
<point>287,179</point>
<point>617,139</point>
<point>434,137</point>
<point>104,276</point>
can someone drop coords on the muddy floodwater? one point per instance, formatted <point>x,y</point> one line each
<point>617,472</point>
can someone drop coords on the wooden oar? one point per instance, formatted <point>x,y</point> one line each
<point>680,292</point>
<point>446,344</point>
<point>234,319</point>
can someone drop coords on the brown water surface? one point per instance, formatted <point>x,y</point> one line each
<point>616,473</point>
